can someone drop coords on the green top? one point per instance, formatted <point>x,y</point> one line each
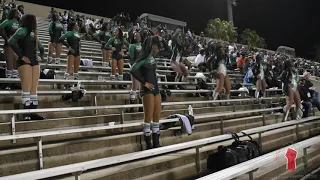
<point>116,43</point>
<point>55,30</point>
<point>24,45</point>
<point>10,26</point>
<point>73,40</point>
<point>134,50</point>
<point>145,70</point>
<point>102,36</point>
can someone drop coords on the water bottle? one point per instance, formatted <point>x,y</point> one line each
<point>190,110</point>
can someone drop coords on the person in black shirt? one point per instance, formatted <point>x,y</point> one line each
<point>144,70</point>
<point>305,99</point>
<point>25,44</point>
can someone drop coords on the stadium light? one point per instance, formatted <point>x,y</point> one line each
<point>230,10</point>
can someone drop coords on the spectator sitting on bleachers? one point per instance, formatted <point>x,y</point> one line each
<point>200,61</point>
<point>25,43</point>
<point>305,99</point>
<point>315,98</point>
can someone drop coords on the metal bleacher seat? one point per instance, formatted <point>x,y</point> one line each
<point>79,168</point>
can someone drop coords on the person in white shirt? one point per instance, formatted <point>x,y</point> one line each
<point>200,58</point>
<point>200,61</point>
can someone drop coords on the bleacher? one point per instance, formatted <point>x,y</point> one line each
<point>95,138</point>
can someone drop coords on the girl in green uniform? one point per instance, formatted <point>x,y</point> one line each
<point>55,30</point>
<point>290,79</point>
<point>103,37</point>
<point>258,72</point>
<point>134,51</point>
<point>73,44</point>
<point>7,29</point>
<point>25,43</point>
<point>144,70</point>
<point>115,44</point>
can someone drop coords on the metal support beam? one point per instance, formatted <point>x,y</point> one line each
<point>40,157</point>
<point>260,140</point>
<point>297,132</point>
<point>251,175</point>
<point>305,157</point>
<point>263,119</point>
<point>221,127</point>
<point>198,162</point>
<point>95,103</point>
<point>13,127</point>
<point>77,175</point>
<point>122,116</point>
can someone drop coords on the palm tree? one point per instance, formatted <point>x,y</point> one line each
<point>221,30</point>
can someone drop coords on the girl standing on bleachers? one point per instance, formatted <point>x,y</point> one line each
<point>134,51</point>
<point>176,58</point>
<point>290,79</point>
<point>103,37</point>
<point>55,30</point>
<point>116,45</point>
<point>144,70</point>
<point>25,43</point>
<point>73,44</point>
<point>259,73</point>
<point>218,68</point>
<point>7,29</point>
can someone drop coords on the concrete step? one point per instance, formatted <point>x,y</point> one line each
<point>66,152</point>
<point>181,165</point>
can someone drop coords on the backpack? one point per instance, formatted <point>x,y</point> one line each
<point>237,152</point>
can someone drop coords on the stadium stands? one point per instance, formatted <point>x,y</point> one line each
<point>95,138</point>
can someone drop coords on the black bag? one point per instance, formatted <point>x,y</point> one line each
<point>252,146</point>
<point>47,74</point>
<point>237,152</point>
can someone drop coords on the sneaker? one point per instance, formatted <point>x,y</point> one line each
<point>57,61</point>
<point>49,60</point>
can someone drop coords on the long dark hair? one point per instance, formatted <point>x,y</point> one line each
<point>104,27</point>
<point>30,23</point>
<point>146,47</point>
<point>133,37</point>
<point>120,36</point>
<point>71,26</point>
<point>12,14</point>
<point>54,19</point>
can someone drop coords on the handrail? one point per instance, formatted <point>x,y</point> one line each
<point>4,112</point>
<point>83,166</point>
<point>98,82</point>
<point>119,126</point>
<point>46,93</point>
<point>251,165</point>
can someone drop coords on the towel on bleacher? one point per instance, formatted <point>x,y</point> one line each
<point>87,62</point>
<point>186,122</point>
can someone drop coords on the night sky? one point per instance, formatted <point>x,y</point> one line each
<point>293,23</point>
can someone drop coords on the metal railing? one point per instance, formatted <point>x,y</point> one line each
<point>252,165</point>
<point>78,168</point>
